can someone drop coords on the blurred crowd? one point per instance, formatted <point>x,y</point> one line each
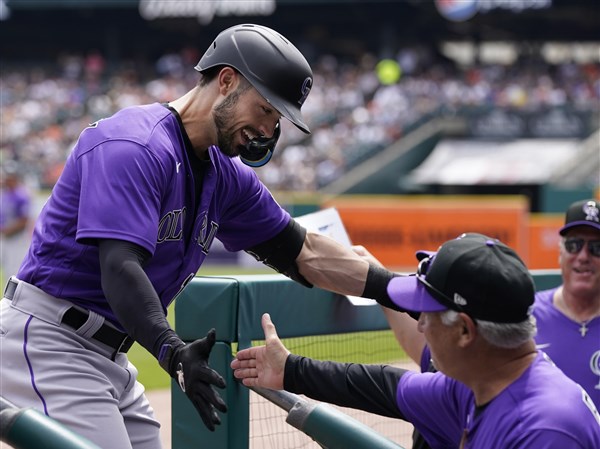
<point>352,111</point>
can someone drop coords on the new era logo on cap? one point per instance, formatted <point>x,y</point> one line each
<point>474,274</point>
<point>459,300</point>
<point>582,213</point>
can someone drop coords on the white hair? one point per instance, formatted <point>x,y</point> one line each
<point>502,335</point>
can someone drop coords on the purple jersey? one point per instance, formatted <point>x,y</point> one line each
<point>14,205</point>
<point>542,409</point>
<point>573,347</point>
<point>129,178</point>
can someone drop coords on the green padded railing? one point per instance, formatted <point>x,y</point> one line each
<point>326,425</point>
<point>26,428</point>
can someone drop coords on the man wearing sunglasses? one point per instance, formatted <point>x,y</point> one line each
<point>569,315</point>
<point>493,389</point>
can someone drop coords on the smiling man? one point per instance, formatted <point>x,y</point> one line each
<point>569,315</point>
<point>143,195</point>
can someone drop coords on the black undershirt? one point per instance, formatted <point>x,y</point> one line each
<point>198,165</point>
<point>131,295</point>
<point>371,388</point>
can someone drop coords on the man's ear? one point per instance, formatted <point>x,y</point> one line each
<point>468,330</point>
<point>228,79</point>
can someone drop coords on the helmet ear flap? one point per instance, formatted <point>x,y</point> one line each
<point>259,151</point>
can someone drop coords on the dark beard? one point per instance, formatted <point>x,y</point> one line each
<point>221,115</point>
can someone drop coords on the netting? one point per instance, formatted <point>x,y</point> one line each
<point>268,428</point>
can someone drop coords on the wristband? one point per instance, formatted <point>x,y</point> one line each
<point>376,284</point>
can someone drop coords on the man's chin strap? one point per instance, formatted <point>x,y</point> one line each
<point>260,150</point>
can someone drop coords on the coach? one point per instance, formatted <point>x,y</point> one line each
<point>493,390</point>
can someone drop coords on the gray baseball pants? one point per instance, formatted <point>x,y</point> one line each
<point>69,376</point>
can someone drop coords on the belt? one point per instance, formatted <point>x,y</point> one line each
<point>75,318</point>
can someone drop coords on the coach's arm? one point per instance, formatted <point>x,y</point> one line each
<point>367,387</point>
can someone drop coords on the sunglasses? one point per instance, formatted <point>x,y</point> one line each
<point>575,245</point>
<point>422,269</point>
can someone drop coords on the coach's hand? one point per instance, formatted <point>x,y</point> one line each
<point>262,366</point>
<point>188,364</point>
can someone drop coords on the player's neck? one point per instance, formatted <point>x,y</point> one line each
<point>194,109</point>
<point>577,308</point>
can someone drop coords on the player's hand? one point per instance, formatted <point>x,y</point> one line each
<point>366,255</point>
<point>189,366</point>
<point>262,366</point>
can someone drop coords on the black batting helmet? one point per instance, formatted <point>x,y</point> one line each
<point>271,63</point>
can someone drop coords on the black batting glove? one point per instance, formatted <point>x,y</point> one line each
<point>188,364</point>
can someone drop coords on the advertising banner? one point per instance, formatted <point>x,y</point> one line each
<point>544,239</point>
<point>393,228</point>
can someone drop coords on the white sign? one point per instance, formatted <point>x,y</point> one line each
<point>204,10</point>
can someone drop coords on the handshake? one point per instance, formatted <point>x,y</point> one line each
<point>259,366</point>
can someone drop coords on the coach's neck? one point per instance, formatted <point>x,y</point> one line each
<point>489,370</point>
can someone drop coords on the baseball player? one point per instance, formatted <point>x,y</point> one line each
<point>15,209</point>
<point>493,390</point>
<point>143,195</point>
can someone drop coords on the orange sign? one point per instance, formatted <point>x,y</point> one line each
<point>544,239</point>
<point>393,228</point>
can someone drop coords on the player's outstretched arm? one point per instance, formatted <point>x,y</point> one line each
<point>332,266</point>
<point>262,366</point>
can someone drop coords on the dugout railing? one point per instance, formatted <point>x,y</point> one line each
<point>233,306</point>
<point>27,428</point>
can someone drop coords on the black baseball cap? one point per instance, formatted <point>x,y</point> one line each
<point>582,213</point>
<point>474,274</point>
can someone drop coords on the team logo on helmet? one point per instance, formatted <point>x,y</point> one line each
<point>305,89</point>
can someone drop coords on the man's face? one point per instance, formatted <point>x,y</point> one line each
<point>242,116</point>
<point>580,270</point>
<point>441,340</point>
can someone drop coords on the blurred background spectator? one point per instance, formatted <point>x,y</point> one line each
<point>352,114</point>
